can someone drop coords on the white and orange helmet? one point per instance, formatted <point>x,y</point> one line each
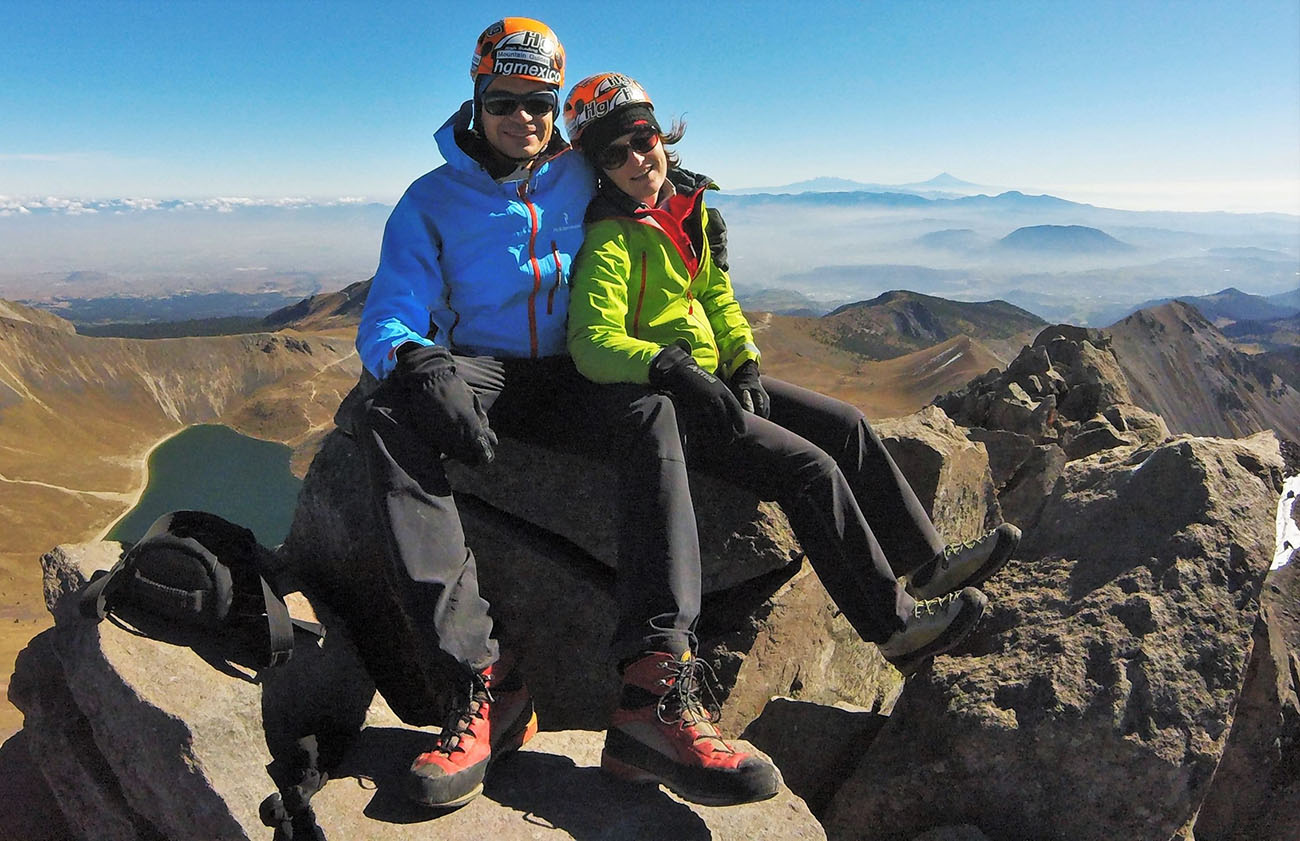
<point>600,96</point>
<point>519,47</point>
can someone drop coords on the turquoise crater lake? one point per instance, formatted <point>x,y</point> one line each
<point>213,468</point>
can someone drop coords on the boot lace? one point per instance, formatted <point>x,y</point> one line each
<point>463,714</point>
<point>934,607</point>
<point>686,699</point>
<point>952,551</point>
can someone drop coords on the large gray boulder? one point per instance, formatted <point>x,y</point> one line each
<point>1255,795</point>
<point>141,738</point>
<point>544,533</point>
<point>575,498</point>
<point>948,471</point>
<point>1095,699</point>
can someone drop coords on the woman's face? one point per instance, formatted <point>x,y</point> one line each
<point>642,173</point>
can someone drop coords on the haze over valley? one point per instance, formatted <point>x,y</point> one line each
<point>805,248</point>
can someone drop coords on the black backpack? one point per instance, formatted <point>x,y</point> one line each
<point>197,572</point>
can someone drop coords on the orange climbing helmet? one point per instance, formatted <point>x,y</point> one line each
<point>599,96</point>
<point>519,47</point>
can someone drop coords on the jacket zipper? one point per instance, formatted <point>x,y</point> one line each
<point>640,298</point>
<point>559,275</point>
<point>537,269</point>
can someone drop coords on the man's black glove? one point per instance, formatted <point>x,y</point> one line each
<point>447,407</point>
<point>675,370</point>
<point>748,388</point>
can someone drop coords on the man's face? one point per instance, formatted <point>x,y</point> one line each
<point>518,135</point>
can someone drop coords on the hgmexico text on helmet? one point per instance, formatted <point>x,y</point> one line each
<point>522,48</point>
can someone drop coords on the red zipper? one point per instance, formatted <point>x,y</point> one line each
<point>537,269</point>
<point>640,298</point>
<point>559,275</point>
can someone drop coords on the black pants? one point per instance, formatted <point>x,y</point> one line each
<point>856,517</point>
<point>851,508</point>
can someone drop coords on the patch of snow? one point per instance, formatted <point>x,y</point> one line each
<point>1288,533</point>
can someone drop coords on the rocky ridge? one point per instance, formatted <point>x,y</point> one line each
<point>1120,676</point>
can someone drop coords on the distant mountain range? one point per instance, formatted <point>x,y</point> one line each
<point>942,185</point>
<point>1232,305</point>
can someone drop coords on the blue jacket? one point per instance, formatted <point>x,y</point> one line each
<point>479,267</point>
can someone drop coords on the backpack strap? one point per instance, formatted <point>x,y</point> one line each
<point>280,626</point>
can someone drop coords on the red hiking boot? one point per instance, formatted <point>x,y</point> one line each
<point>662,733</point>
<point>496,719</point>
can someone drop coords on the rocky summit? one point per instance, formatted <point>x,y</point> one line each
<point>1136,675</point>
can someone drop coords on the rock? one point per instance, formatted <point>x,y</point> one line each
<point>175,748</point>
<point>781,635</point>
<point>1025,493</point>
<point>949,472</point>
<point>85,789</point>
<point>740,536</point>
<point>1073,375</point>
<point>1094,437</point>
<point>815,745</point>
<point>1006,451</point>
<point>964,832</point>
<point>553,788</point>
<point>28,810</point>
<point>178,735</point>
<point>774,631</point>
<point>1095,699</point>
<point>1256,790</point>
<point>1146,427</point>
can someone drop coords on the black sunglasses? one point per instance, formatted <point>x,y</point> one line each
<point>615,155</point>
<point>502,104</point>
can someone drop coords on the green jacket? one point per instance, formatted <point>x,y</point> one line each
<point>645,278</point>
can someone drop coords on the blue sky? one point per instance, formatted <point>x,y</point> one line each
<point>1178,105</point>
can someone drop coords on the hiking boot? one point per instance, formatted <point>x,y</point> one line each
<point>936,626</point>
<point>496,719</point>
<point>663,733</point>
<point>967,564</point>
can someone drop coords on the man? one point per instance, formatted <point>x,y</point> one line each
<point>465,319</point>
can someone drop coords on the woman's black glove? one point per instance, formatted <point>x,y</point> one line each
<point>748,388</point>
<point>674,370</point>
<point>447,409</point>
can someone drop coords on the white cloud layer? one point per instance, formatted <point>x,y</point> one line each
<point>55,205</point>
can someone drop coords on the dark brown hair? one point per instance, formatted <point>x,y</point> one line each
<point>673,135</point>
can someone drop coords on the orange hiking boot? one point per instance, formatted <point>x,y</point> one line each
<point>496,719</point>
<point>662,733</point>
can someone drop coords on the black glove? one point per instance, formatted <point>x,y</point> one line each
<point>448,409</point>
<point>675,370</point>
<point>748,388</point>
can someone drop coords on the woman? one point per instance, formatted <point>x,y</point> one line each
<point>652,309</point>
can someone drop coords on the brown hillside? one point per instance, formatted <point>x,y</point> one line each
<point>1181,367</point>
<point>78,416</point>
<point>18,312</point>
<point>326,311</point>
<point>889,388</point>
<point>898,323</point>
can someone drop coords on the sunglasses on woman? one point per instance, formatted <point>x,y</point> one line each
<point>615,155</point>
<point>503,104</point>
